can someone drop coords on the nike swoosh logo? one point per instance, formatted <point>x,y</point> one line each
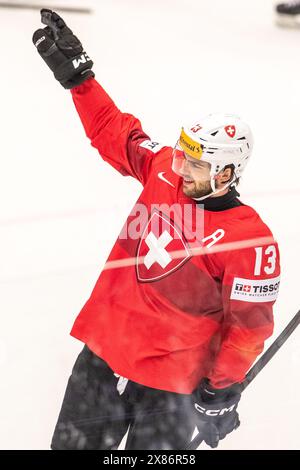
<point>161,176</point>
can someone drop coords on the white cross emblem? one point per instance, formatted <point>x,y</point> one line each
<point>158,247</point>
<point>157,252</point>
<point>230,130</point>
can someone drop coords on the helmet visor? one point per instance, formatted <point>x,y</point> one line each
<point>186,156</point>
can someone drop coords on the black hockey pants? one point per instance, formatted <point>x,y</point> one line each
<point>97,411</point>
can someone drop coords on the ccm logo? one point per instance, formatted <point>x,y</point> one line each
<point>214,412</point>
<point>82,60</point>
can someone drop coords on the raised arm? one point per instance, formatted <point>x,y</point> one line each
<point>118,136</point>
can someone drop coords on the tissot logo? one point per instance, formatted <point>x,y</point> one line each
<point>242,287</point>
<point>248,290</point>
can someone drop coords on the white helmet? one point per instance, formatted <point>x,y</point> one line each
<point>219,139</point>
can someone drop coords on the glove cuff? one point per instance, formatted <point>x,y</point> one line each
<point>209,394</point>
<point>78,79</point>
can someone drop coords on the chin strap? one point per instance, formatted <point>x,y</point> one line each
<point>214,190</point>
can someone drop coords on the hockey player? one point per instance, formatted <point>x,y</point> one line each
<point>169,331</point>
<point>288,13</point>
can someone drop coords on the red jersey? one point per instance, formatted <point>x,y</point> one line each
<point>169,316</point>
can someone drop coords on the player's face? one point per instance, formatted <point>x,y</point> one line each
<point>196,177</point>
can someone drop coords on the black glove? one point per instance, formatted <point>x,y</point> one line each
<point>216,411</point>
<point>62,51</point>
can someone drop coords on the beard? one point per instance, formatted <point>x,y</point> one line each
<point>196,190</point>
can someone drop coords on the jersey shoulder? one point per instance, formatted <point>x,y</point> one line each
<point>243,223</point>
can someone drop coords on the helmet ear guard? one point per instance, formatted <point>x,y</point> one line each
<point>213,178</point>
<point>232,178</point>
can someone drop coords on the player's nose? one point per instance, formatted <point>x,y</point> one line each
<point>184,169</point>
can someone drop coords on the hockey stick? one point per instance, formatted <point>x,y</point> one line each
<point>258,366</point>
<point>31,6</point>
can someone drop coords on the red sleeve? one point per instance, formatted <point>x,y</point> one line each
<point>250,287</point>
<point>117,136</point>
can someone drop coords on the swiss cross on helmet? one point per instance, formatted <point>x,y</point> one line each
<point>218,139</point>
